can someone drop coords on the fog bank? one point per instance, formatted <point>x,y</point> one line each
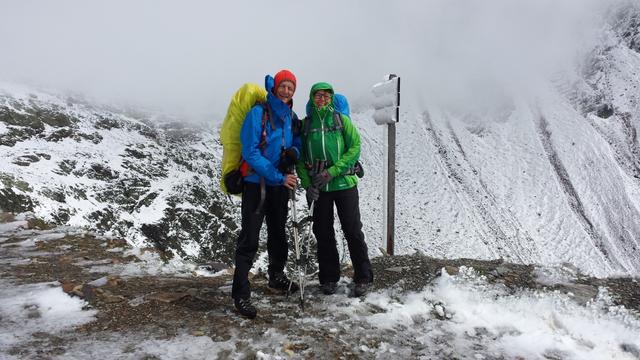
<point>191,56</point>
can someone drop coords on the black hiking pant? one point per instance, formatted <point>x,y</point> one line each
<point>275,210</point>
<point>347,203</point>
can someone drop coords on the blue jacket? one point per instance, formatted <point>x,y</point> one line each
<point>265,163</point>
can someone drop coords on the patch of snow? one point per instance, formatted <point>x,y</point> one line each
<point>44,307</point>
<point>132,346</point>
<point>93,263</point>
<point>13,226</point>
<point>526,324</point>
<point>554,275</point>
<point>150,264</point>
<point>15,261</point>
<point>99,282</point>
<point>138,300</point>
<point>207,273</point>
<point>51,236</point>
<point>28,243</point>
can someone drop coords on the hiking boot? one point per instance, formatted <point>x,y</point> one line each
<point>329,288</point>
<point>245,308</point>
<point>280,281</point>
<point>361,289</point>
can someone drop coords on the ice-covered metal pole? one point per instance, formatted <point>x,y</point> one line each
<point>387,112</point>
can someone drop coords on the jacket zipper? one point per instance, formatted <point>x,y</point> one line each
<point>324,150</point>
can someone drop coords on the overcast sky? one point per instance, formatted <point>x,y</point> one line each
<point>192,55</point>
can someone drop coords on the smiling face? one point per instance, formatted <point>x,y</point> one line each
<point>285,91</point>
<point>322,98</point>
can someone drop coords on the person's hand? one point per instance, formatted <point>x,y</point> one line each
<point>312,194</point>
<point>321,179</point>
<point>288,160</point>
<point>290,181</point>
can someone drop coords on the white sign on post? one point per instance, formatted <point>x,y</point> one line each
<point>386,100</point>
<point>386,105</point>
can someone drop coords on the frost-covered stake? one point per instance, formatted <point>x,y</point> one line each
<point>386,104</point>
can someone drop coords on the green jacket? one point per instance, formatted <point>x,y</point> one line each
<point>339,148</point>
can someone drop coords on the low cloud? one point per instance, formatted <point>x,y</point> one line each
<point>191,56</point>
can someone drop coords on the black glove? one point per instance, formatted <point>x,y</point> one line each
<point>312,194</point>
<point>288,160</point>
<point>321,179</point>
<point>358,169</point>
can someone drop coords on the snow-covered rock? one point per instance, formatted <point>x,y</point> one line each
<point>143,177</point>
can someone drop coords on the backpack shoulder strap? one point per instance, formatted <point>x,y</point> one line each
<point>307,126</point>
<point>337,121</point>
<point>265,117</point>
<point>296,124</point>
<point>339,125</point>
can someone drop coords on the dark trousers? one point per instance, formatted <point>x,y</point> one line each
<point>347,203</point>
<point>275,210</point>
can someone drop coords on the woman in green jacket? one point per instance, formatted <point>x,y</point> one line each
<point>330,150</point>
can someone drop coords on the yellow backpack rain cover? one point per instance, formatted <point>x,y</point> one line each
<point>241,103</point>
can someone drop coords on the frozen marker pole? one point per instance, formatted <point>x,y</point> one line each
<point>387,112</point>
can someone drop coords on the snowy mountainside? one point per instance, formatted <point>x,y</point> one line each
<point>136,176</point>
<point>546,180</point>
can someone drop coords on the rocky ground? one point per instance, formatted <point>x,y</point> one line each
<point>149,304</point>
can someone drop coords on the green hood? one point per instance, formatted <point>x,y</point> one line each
<point>320,86</point>
<point>317,87</point>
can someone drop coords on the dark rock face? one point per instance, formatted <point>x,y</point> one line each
<point>26,160</point>
<point>9,181</point>
<point>610,90</point>
<point>60,135</point>
<point>107,123</point>
<point>66,167</point>
<point>104,219</point>
<point>55,194</point>
<point>55,118</point>
<point>11,201</point>
<point>100,172</point>
<point>604,111</point>
<point>628,26</point>
<point>30,121</point>
<point>213,229</point>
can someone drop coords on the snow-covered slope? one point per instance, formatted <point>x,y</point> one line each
<point>548,179</point>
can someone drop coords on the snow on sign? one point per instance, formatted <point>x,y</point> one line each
<point>386,100</point>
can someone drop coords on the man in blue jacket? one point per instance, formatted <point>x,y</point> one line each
<point>271,149</point>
